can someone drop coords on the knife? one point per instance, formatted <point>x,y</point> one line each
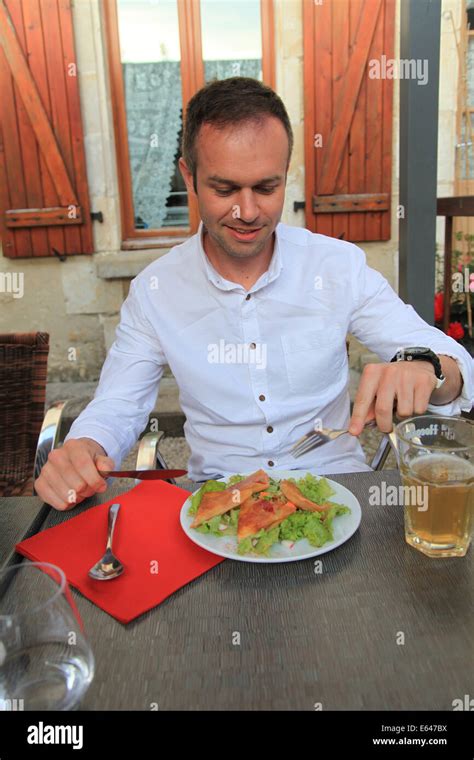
<point>144,474</point>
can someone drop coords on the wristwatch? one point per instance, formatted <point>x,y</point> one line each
<point>422,354</point>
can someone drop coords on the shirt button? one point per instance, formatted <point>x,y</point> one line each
<point>253,345</point>
<point>269,429</point>
<point>247,297</point>
<point>261,397</point>
<point>270,463</point>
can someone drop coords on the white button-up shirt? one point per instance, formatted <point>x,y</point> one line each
<point>256,369</point>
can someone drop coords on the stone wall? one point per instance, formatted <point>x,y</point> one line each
<point>78,301</point>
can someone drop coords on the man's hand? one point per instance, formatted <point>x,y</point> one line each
<point>72,473</point>
<point>409,384</point>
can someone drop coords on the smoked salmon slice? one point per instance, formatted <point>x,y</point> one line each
<point>219,502</point>
<point>293,493</point>
<point>256,513</point>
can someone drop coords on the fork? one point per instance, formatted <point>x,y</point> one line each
<point>316,438</point>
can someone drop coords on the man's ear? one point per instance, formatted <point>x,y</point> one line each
<point>187,175</point>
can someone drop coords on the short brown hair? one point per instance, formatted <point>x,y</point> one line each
<point>228,102</point>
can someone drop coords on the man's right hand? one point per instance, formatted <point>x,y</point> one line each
<point>72,473</point>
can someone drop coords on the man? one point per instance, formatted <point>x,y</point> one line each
<point>251,315</point>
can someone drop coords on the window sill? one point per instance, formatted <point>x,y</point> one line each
<point>143,242</point>
<point>127,264</point>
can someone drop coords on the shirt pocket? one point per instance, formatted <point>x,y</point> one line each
<point>314,359</point>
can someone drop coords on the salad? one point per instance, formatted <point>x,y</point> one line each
<point>260,511</point>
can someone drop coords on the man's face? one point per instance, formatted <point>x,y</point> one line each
<point>241,175</point>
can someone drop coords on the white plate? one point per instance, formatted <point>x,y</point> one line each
<point>344,527</point>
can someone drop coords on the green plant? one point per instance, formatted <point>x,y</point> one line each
<point>462,265</point>
<point>462,287</point>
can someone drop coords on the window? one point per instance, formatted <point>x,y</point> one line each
<point>466,152</point>
<point>161,52</point>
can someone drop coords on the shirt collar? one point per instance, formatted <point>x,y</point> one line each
<point>273,271</point>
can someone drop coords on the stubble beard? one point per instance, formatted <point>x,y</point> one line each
<point>235,253</point>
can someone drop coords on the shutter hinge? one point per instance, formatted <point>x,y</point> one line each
<point>97,216</point>
<point>299,205</point>
<point>60,256</point>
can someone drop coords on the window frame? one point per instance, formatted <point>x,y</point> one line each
<point>192,79</point>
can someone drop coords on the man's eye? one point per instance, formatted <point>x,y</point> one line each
<point>265,190</point>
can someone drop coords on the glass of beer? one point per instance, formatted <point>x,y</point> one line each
<point>436,458</point>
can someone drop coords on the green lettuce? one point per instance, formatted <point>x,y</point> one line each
<point>267,539</point>
<point>214,525</point>
<point>334,511</point>
<point>315,489</point>
<point>302,524</point>
<point>273,489</point>
<point>264,541</point>
<point>314,526</point>
<point>235,479</point>
<point>292,528</point>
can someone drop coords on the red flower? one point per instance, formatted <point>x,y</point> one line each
<point>438,307</point>
<point>456,330</point>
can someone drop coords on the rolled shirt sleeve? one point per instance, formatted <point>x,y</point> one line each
<point>385,324</point>
<point>128,384</point>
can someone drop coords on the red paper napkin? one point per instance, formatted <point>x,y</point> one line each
<point>148,539</point>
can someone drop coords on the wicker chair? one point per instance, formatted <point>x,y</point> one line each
<point>27,435</point>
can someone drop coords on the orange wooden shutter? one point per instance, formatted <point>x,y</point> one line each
<point>348,118</point>
<point>44,203</point>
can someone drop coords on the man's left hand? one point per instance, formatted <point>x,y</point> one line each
<point>409,384</point>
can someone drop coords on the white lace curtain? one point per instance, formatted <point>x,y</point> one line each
<point>153,105</point>
<point>249,67</point>
<point>467,161</point>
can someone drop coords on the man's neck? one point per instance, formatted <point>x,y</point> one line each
<point>244,272</point>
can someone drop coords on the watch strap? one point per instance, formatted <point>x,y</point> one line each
<point>405,355</point>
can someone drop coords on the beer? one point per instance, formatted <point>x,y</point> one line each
<point>440,524</point>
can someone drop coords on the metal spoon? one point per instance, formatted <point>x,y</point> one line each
<point>109,566</point>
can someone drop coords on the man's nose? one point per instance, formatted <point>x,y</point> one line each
<point>248,209</point>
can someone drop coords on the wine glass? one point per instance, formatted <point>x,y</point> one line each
<point>46,662</point>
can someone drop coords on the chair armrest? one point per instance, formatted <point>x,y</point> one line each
<point>388,443</point>
<point>148,455</point>
<point>148,450</point>
<point>49,435</point>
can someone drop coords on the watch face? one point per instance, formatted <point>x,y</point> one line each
<point>417,350</point>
